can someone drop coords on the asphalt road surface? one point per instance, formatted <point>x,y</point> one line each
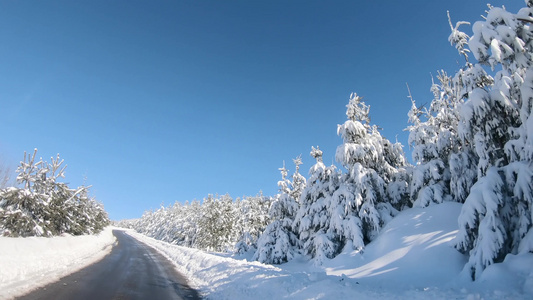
<point>131,271</point>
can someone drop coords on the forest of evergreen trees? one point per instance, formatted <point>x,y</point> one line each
<point>473,144</point>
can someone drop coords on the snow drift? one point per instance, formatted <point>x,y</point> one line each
<point>413,250</point>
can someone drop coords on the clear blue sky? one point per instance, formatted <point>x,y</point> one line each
<point>164,101</point>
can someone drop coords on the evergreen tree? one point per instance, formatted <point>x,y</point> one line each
<point>208,227</point>
<point>372,163</point>
<point>278,243</point>
<point>190,223</point>
<point>496,217</point>
<point>254,218</point>
<point>438,150</point>
<point>46,206</point>
<point>298,181</point>
<point>445,162</point>
<point>226,221</point>
<point>312,219</point>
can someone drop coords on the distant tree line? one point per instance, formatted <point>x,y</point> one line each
<point>219,223</point>
<point>473,144</point>
<point>44,206</point>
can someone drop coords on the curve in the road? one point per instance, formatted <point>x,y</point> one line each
<point>132,270</point>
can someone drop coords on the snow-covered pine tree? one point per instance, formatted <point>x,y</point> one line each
<point>496,218</point>
<point>239,227</point>
<point>141,224</point>
<point>20,213</point>
<point>312,219</point>
<point>298,180</point>
<point>174,230</point>
<point>171,232</point>
<point>445,163</point>
<point>253,219</point>
<point>153,223</point>
<point>431,174</point>
<point>190,221</point>
<point>398,185</point>
<point>434,142</point>
<point>278,243</point>
<point>227,220</point>
<point>208,227</point>
<point>96,214</point>
<point>89,214</point>
<point>22,210</point>
<point>345,226</point>
<point>46,206</point>
<point>372,162</point>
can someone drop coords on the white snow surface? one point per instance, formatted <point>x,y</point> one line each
<point>413,251</point>
<point>411,259</point>
<point>28,263</point>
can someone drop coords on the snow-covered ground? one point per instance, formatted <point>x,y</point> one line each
<point>411,259</point>
<point>27,263</point>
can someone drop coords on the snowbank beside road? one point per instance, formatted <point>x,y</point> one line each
<point>219,277</point>
<point>27,263</point>
<point>411,259</point>
<point>413,250</point>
